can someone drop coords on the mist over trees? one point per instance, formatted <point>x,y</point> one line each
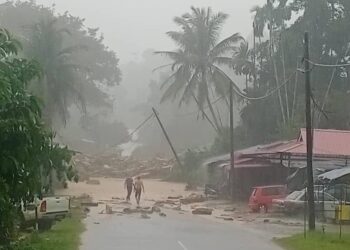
<point>28,153</point>
<point>195,65</point>
<point>76,66</point>
<point>256,66</point>
<point>271,100</point>
<point>57,74</point>
<point>279,27</point>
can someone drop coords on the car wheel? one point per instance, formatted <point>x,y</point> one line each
<point>255,210</point>
<point>263,208</point>
<point>44,225</point>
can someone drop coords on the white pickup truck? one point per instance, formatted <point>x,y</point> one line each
<point>48,210</point>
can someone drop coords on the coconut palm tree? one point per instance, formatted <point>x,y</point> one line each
<point>242,60</point>
<point>273,15</point>
<point>61,83</point>
<point>196,66</point>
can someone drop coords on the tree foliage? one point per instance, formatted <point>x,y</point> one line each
<point>27,152</point>
<point>272,60</point>
<point>282,24</point>
<point>75,62</point>
<point>196,65</point>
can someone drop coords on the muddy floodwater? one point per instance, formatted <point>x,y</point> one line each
<point>112,187</point>
<point>175,227</point>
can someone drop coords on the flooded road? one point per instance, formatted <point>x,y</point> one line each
<point>178,230</point>
<point>173,232</point>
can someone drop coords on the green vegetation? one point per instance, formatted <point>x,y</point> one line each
<point>191,171</point>
<point>196,68</point>
<point>280,53</point>
<point>57,63</point>
<point>76,68</point>
<point>315,241</point>
<point>271,60</point>
<point>63,235</point>
<point>28,153</point>
<point>72,56</point>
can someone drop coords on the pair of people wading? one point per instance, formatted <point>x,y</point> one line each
<point>138,187</point>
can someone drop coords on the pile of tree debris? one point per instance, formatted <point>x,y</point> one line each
<point>117,166</point>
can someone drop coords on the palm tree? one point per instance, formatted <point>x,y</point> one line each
<point>61,83</point>
<point>243,64</point>
<point>196,64</point>
<point>273,15</point>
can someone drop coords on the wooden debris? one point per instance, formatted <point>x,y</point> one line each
<point>203,211</point>
<point>193,198</point>
<point>89,204</point>
<point>93,182</point>
<point>175,197</point>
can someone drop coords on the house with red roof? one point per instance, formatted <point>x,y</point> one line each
<point>284,162</point>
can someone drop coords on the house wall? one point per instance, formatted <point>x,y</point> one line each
<point>249,177</point>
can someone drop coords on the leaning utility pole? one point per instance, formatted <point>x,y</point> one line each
<point>232,181</point>
<point>167,137</point>
<point>309,143</point>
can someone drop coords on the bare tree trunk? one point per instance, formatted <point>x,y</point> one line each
<point>217,110</point>
<point>213,114</point>
<point>203,112</point>
<point>246,83</point>
<point>215,120</point>
<point>279,91</point>
<point>295,93</point>
<point>348,77</point>
<point>254,56</point>
<point>325,98</point>
<point>319,115</point>
<point>219,115</point>
<point>261,59</point>
<point>276,76</point>
<point>284,79</point>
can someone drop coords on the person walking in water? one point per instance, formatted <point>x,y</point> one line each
<point>138,186</point>
<point>128,184</point>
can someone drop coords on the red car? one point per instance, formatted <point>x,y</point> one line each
<point>261,197</point>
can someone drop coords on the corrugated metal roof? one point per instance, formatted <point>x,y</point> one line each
<point>326,143</point>
<point>335,174</point>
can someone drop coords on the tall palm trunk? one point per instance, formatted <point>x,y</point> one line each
<point>213,114</point>
<point>261,58</point>
<point>205,83</point>
<point>279,91</point>
<point>295,93</point>
<point>274,69</point>
<point>325,98</point>
<point>284,79</point>
<point>246,83</point>
<point>254,56</point>
<point>203,112</point>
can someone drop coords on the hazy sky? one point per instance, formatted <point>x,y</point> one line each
<point>131,26</point>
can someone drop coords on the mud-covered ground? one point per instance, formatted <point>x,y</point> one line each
<point>111,192</point>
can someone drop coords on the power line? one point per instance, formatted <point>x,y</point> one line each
<point>136,129</point>
<point>328,65</point>
<point>239,93</point>
<point>206,107</point>
<point>268,94</point>
<point>318,107</point>
<point>247,97</point>
<point>141,125</point>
